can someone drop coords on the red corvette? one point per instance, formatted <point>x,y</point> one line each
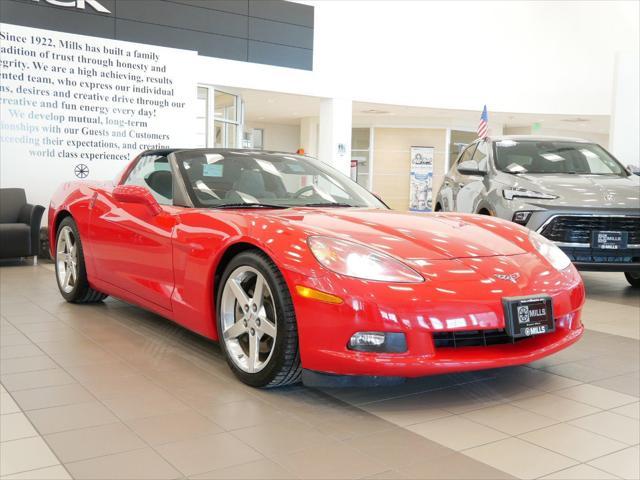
<point>301,273</point>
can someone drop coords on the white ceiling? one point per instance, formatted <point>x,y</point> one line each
<point>286,109</point>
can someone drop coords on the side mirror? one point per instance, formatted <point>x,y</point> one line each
<point>136,194</point>
<point>469,167</point>
<point>634,169</point>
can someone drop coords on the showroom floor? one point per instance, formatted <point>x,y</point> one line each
<point>111,391</point>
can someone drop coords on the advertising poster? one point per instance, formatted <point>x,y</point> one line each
<point>79,108</point>
<point>420,192</point>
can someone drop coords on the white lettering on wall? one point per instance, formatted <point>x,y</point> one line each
<point>95,4</point>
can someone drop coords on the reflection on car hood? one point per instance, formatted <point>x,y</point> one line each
<point>583,190</point>
<point>412,235</point>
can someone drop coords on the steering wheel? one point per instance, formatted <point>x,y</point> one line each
<point>308,188</point>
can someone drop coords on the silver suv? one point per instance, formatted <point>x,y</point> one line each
<point>570,191</point>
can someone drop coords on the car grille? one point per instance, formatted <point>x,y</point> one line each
<point>577,229</point>
<point>472,338</point>
<point>596,255</point>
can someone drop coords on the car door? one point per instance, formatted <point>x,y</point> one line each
<point>453,181</point>
<point>471,185</point>
<point>131,244</point>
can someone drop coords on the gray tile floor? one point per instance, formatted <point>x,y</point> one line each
<point>111,391</point>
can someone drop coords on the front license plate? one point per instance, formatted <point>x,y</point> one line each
<point>609,240</point>
<point>528,316</point>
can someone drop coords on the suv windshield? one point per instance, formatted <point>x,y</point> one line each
<point>529,156</point>
<point>218,178</point>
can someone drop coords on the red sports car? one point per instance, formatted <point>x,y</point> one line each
<point>301,273</point>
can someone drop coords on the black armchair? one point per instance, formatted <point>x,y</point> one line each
<point>19,224</point>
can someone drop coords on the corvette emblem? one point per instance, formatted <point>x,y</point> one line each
<point>512,277</point>
<point>609,196</point>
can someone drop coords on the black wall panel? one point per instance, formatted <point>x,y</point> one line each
<point>273,32</point>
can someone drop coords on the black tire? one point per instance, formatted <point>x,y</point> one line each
<point>633,278</point>
<point>283,368</point>
<point>82,291</point>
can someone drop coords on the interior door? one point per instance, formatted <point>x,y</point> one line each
<point>132,246</point>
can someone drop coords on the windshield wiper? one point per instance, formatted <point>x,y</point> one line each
<point>328,204</point>
<point>249,205</point>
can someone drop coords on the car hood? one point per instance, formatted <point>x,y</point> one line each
<point>582,190</point>
<point>412,236</point>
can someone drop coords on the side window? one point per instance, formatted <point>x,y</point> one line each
<point>467,154</point>
<point>480,156</point>
<point>154,173</point>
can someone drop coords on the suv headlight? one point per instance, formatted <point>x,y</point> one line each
<point>355,260</point>
<point>549,251</point>
<point>515,192</point>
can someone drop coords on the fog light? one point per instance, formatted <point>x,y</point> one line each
<point>378,342</point>
<point>521,218</point>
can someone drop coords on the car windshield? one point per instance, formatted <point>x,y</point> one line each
<point>528,156</point>
<point>219,178</point>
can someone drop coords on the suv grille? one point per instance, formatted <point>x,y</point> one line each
<point>472,338</point>
<point>577,229</point>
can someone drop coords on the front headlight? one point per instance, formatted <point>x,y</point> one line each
<point>515,192</point>
<point>355,260</point>
<point>550,251</point>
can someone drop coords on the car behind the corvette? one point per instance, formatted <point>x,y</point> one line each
<point>295,268</point>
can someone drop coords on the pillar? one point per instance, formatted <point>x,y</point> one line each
<point>334,139</point>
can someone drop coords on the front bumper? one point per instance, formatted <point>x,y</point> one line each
<point>581,253</point>
<point>453,298</point>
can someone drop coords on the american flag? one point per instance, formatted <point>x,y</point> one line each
<point>483,126</point>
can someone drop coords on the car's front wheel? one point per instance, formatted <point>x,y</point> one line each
<point>633,278</point>
<point>257,323</point>
<point>71,273</point>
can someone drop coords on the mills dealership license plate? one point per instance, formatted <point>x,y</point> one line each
<point>528,316</point>
<point>609,240</point>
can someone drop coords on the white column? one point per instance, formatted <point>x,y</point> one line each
<point>625,117</point>
<point>309,136</point>
<point>334,142</point>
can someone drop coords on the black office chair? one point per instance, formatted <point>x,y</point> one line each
<point>19,225</point>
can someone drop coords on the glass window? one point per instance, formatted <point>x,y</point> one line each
<point>467,154</point>
<point>459,141</point>
<point>360,155</point>
<point>226,107</point>
<point>480,156</point>
<point>219,177</point>
<point>225,134</point>
<point>154,173</point>
<point>553,157</point>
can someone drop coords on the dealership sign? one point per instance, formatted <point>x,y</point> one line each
<point>80,4</point>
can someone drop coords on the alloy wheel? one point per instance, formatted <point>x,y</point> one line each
<point>67,259</point>
<point>248,319</point>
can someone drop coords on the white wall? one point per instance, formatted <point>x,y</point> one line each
<point>283,138</point>
<point>536,57</point>
<point>625,118</point>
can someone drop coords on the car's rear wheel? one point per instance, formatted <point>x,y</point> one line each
<point>70,269</point>
<point>633,278</point>
<point>257,323</point>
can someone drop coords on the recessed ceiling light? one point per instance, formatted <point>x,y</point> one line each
<point>375,111</point>
<point>575,120</point>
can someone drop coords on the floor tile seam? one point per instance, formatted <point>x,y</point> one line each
<point>412,394</point>
<point>579,464</point>
<point>343,442</point>
<point>39,435</point>
<point>106,406</point>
